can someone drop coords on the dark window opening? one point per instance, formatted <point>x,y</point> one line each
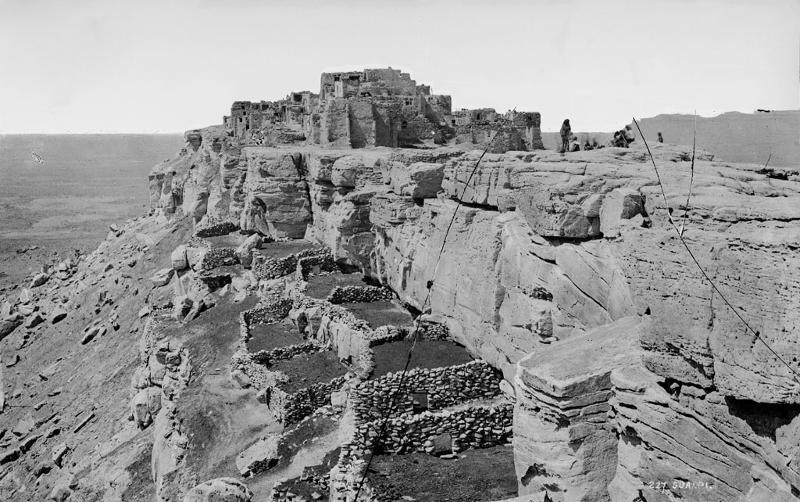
<point>419,401</point>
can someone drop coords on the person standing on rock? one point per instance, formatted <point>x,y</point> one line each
<point>566,135</point>
<point>660,137</point>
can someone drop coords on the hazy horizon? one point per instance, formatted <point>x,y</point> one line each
<point>181,133</point>
<point>96,66</point>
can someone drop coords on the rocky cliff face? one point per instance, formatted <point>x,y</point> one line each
<point>563,273</point>
<point>631,378</point>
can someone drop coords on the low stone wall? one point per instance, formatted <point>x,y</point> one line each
<point>290,408</point>
<point>473,427</point>
<point>272,311</point>
<point>430,330</point>
<point>351,337</point>
<point>359,294</point>
<point>441,387</point>
<point>305,401</point>
<point>336,326</point>
<point>386,334</point>
<point>218,257</point>
<point>266,357</point>
<point>320,261</point>
<point>273,268</point>
<point>215,228</point>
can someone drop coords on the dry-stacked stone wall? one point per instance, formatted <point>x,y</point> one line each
<point>386,334</point>
<point>266,357</point>
<point>359,294</point>
<point>218,257</point>
<point>254,366</point>
<point>273,310</point>
<point>320,261</point>
<point>430,330</point>
<point>304,402</point>
<point>273,268</point>
<point>215,228</point>
<point>438,387</point>
<point>473,427</point>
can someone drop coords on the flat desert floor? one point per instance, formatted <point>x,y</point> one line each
<point>84,184</point>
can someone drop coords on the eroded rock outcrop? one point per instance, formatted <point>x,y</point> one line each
<point>632,379</point>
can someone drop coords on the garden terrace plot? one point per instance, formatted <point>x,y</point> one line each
<point>273,335</point>
<point>305,370</point>
<point>232,240</point>
<point>322,285</point>
<point>391,356</point>
<point>474,475</point>
<point>380,313</point>
<point>304,383</point>
<point>443,433</point>
<point>278,259</point>
<point>282,249</point>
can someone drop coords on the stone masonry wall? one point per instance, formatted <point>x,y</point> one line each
<point>474,427</point>
<point>305,401</point>
<point>272,268</point>
<point>443,387</point>
<point>359,294</point>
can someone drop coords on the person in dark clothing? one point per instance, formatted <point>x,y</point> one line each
<point>660,137</point>
<point>566,135</point>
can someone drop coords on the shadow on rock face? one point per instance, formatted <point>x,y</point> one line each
<point>764,419</point>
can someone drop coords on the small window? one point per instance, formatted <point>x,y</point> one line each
<point>419,401</point>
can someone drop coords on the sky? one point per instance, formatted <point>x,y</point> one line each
<point>146,66</point>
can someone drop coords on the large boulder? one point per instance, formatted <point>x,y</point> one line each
<point>178,258</point>
<point>345,171</point>
<point>39,279</point>
<point>162,277</point>
<point>420,180</point>
<point>245,251</point>
<point>8,325</point>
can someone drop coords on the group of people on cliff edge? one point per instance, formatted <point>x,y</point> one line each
<point>622,139</point>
